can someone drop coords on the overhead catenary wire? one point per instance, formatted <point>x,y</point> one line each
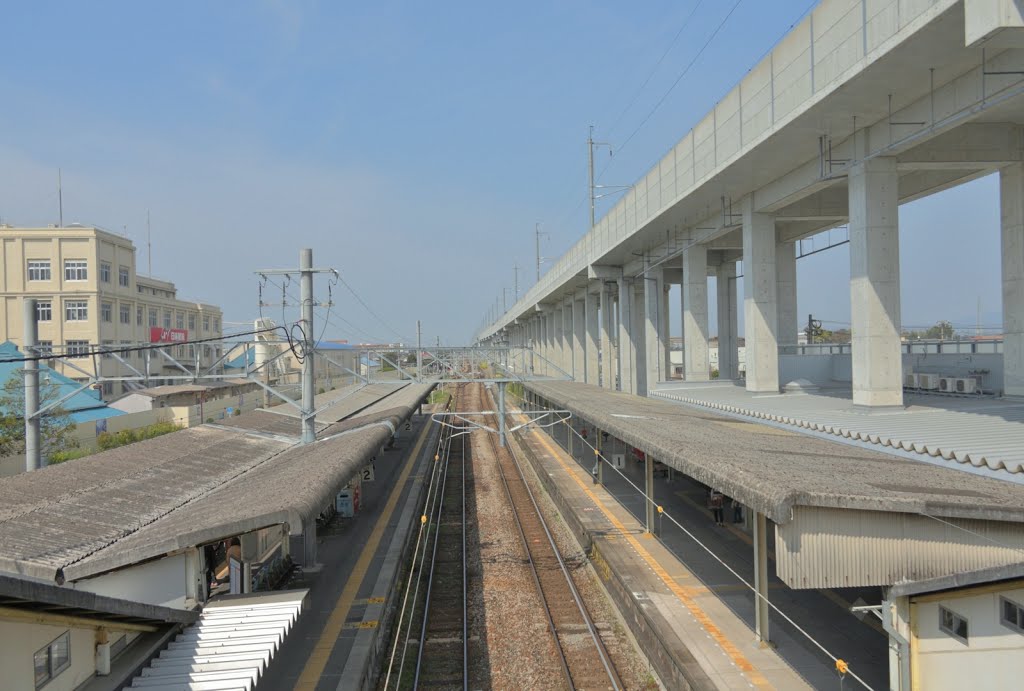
<point>711,552</point>
<point>372,313</point>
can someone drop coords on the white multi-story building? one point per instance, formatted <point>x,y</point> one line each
<point>89,294</point>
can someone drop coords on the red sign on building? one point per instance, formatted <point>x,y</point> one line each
<point>159,335</point>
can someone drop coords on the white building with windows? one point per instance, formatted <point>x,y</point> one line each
<point>89,294</point>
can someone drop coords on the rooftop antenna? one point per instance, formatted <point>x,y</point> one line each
<point>149,246</point>
<point>60,200</point>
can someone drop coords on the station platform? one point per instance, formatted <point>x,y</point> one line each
<point>339,640</point>
<point>691,636</point>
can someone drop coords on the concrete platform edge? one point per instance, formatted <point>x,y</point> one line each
<point>363,665</point>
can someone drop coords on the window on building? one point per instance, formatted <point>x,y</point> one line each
<point>76,270</point>
<point>207,350</point>
<point>105,272</point>
<point>152,317</point>
<point>44,347</point>
<point>77,349</point>
<point>206,323</point>
<point>122,276</point>
<point>76,310</point>
<point>44,310</point>
<point>167,320</point>
<point>127,355</point>
<point>1011,614</point>
<point>108,388</point>
<point>179,320</point>
<point>106,345</point>
<point>39,269</point>
<point>107,311</point>
<point>138,287</point>
<point>126,314</point>
<point>52,659</point>
<point>953,624</point>
<point>138,316</point>
<point>191,322</point>
<point>216,324</point>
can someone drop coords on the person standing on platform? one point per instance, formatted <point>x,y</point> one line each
<point>717,502</point>
<point>737,511</point>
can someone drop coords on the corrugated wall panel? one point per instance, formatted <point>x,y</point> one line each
<point>838,548</point>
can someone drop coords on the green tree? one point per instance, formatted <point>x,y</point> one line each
<point>942,330</point>
<point>55,426</point>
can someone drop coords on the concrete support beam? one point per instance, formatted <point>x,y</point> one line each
<point>761,578</point>
<point>592,340</point>
<point>609,364</point>
<point>568,364</point>
<point>695,314</point>
<point>627,361</point>
<point>654,346</point>
<point>579,365</point>
<point>1011,199</point>
<point>785,287</point>
<point>760,300</point>
<point>728,317</point>
<point>664,334</point>
<point>875,283</point>
<point>638,332</point>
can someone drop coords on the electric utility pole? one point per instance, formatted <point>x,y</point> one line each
<point>593,187</point>
<point>305,272</point>
<point>419,350</point>
<point>537,232</point>
<point>515,270</point>
<point>33,457</point>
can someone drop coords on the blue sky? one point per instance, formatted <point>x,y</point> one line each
<point>412,145</point>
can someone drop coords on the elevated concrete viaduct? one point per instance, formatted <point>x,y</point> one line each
<point>864,105</point>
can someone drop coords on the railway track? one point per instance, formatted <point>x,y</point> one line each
<point>584,660</point>
<point>437,580</point>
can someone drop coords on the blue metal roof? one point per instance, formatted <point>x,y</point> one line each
<point>83,406</point>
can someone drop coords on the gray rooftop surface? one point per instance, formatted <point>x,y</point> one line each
<point>135,502</point>
<point>980,431</point>
<point>773,470</point>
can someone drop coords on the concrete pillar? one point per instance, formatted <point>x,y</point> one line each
<point>568,354</point>
<point>1011,199</point>
<point>627,358</point>
<point>609,364</point>
<point>759,300</point>
<point>761,578</point>
<point>785,287</point>
<point>592,337</point>
<point>664,335</point>
<point>559,335</point>
<point>875,283</point>
<point>639,334</point>
<point>695,313</point>
<point>728,359</point>
<point>579,335</point>
<point>654,346</point>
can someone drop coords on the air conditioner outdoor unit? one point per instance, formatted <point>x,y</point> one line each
<point>928,381</point>
<point>911,381</point>
<point>966,385</point>
<point>947,384</point>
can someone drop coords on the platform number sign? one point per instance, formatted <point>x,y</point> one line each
<point>408,426</point>
<point>367,473</point>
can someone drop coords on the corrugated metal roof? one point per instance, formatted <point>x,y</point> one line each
<point>139,501</point>
<point>229,647</point>
<point>773,470</point>
<point>980,431</point>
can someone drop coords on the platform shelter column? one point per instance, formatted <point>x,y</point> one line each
<point>761,577</point>
<point>592,336</point>
<point>695,313</point>
<point>760,307</point>
<point>1011,196</point>
<point>654,345</point>
<point>875,283</point>
<point>728,356</point>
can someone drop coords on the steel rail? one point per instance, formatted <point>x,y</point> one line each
<point>591,628</point>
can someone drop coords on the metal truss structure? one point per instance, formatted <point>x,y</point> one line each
<point>485,364</point>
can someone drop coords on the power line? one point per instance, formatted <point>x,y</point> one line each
<point>671,45</point>
<point>367,308</point>
<point>134,349</point>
